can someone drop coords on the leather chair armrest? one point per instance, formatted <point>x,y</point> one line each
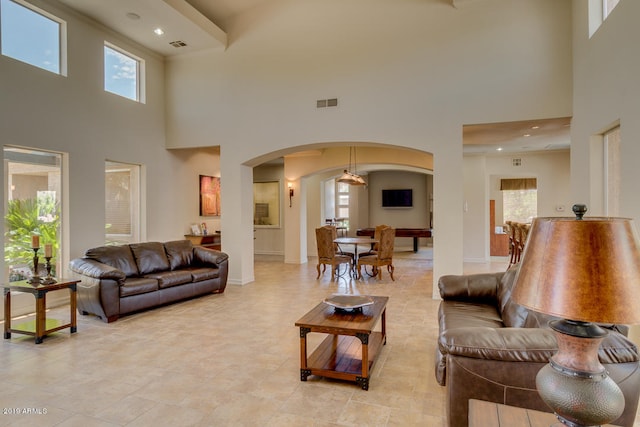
<point>97,270</point>
<point>204,255</point>
<point>470,287</point>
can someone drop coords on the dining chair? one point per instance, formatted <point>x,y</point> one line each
<point>327,253</point>
<point>376,237</point>
<point>382,257</point>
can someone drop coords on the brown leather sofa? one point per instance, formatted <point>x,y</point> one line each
<point>117,280</point>
<point>490,348</point>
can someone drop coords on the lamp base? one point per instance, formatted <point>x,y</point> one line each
<point>575,384</point>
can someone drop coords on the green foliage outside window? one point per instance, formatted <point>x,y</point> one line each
<point>24,219</point>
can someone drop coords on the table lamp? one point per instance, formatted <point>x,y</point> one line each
<point>584,271</point>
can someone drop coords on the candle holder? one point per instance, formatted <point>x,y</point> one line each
<point>35,278</point>
<point>49,280</point>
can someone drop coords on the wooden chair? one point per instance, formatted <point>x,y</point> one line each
<point>376,236</point>
<point>383,256</point>
<point>327,253</point>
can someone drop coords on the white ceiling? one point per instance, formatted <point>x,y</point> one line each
<point>202,24</point>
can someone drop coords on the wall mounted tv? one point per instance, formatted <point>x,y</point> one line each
<point>397,198</point>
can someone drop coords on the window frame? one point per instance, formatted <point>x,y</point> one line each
<point>140,93</point>
<point>62,37</point>
<point>135,202</point>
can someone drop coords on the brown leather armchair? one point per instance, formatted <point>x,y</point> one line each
<point>490,348</point>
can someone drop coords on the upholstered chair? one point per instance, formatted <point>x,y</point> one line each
<point>383,256</point>
<point>327,254</point>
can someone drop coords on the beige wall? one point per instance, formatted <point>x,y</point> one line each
<point>482,183</point>
<point>405,73</point>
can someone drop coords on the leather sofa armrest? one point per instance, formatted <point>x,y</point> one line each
<point>204,255</point>
<point>97,270</point>
<point>470,287</point>
<point>525,345</point>
<point>503,344</point>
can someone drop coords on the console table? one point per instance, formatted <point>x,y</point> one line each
<point>213,241</point>
<point>43,326</point>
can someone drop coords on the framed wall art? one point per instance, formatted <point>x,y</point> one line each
<point>209,195</point>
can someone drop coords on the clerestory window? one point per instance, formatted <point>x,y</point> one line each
<point>32,36</point>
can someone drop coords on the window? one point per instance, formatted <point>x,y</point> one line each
<point>611,141</point>
<point>122,73</point>
<point>32,35</point>
<point>519,199</point>
<point>122,206</point>
<point>32,207</point>
<point>342,211</point>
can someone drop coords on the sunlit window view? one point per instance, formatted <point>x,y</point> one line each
<point>32,208</point>
<point>30,35</point>
<point>121,73</point>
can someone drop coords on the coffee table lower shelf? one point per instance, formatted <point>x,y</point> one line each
<point>341,357</point>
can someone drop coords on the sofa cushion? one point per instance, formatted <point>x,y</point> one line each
<point>166,279</point>
<point>179,253</point>
<point>204,273</point>
<point>138,285</point>
<point>513,314</point>
<point>119,257</point>
<point>150,257</point>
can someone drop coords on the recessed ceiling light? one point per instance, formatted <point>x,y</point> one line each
<point>499,149</point>
<point>159,31</point>
<point>133,16</point>
<point>527,135</point>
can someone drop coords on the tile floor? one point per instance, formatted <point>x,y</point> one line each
<point>230,360</point>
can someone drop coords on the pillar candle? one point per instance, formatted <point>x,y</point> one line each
<point>35,242</point>
<point>48,250</point>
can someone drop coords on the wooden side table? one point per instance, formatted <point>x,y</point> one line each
<point>40,293</point>
<point>490,414</point>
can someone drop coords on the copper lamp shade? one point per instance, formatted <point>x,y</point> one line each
<point>583,271</point>
<point>586,270</point>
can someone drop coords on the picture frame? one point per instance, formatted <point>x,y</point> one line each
<point>266,204</point>
<point>209,195</point>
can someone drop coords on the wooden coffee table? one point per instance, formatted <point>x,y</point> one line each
<point>43,326</point>
<point>352,346</point>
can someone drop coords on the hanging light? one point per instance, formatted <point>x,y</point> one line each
<point>351,178</point>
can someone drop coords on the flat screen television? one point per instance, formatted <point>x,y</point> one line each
<point>397,198</point>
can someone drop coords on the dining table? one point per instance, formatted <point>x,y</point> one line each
<point>355,241</point>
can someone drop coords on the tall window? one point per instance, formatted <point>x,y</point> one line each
<point>612,171</point>
<point>32,35</point>
<point>519,199</point>
<point>342,204</point>
<point>122,73</point>
<point>122,203</point>
<point>32,207</point>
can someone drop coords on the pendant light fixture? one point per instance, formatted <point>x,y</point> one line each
<point>352,178</point>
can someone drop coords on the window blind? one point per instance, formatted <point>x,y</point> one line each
<point>518,184</point>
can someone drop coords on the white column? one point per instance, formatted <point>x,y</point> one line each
<point>236,221</point>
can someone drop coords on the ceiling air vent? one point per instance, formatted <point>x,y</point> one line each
<point>178,43</point>
<point>322,103</point>
<point>516,162</point>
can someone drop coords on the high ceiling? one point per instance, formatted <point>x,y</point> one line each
<point>203,24</point>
